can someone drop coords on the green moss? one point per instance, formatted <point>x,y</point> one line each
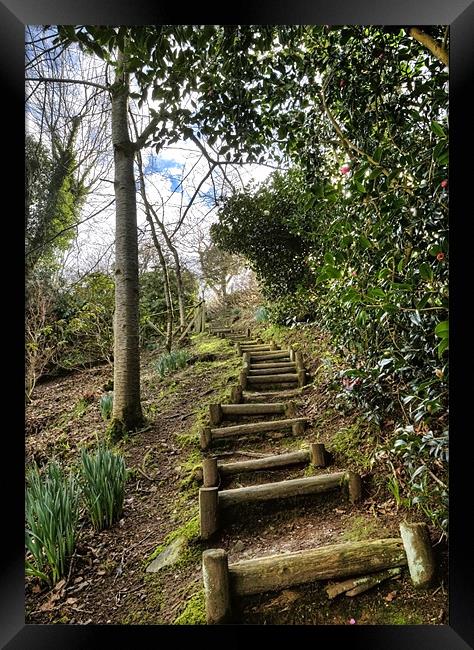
<point>403,617</point>
<point>191,552</point>
<point>360,528</point>
<point>275,333</point>
<point>168,389</point>
<point>194,612</point>
<point>204,344</point>
<point>354,444</point>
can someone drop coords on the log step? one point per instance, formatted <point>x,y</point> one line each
<point>251,347</point>
<point>268,356</point>
<point>275,378</point>
<point>255,372</point>
<point>276,572</point>
<point>212,470</point>
<point>281,489</point>
<point>284,365</point>
<point>258,427</point>
<point>314,454</point>
<point>218,412</point>
<point>253,409</point>
<point>211,500</point>
<point>259,396</point>
<point>261,464</point>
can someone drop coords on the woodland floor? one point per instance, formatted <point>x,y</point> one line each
<point>107,582</point>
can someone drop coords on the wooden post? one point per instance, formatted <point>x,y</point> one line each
<point>291,352</point>
<point>208,506</point>
<point>239,349</point>
<point>205,437</point>
<point>248,332</point>
<point>301,377</point>
<point>209,472</point>
<point>215,573</point>
<point>236,394</point>
<point>215,414</point>
<point>203,317</point>
<point>299,360</point>
<point>290,410</point>
<point>354,485</point>
<point>273,345</point>
<point>243,380</point>
<point>246,359</point>
<point>298,428</point>
<point>417,544</point>
<point>318,454</point>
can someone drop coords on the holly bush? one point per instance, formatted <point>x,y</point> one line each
<point>354,236</point>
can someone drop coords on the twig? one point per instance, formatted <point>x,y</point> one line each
<point>244,453</point>
<point>149,478</point>
<point>177,415</point>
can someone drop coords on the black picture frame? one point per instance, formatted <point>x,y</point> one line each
<point>459,14</point>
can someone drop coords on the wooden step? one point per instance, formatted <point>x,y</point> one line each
<point>261,464</point>
<point>253,409</point>
<point>290,365</point>
<point>255,372</point>
<point>259,396</point>
<point>250,347</point>
<point>211,500</point>
<point>275,378</point>
<point>283,570</point>
<point>281,489</point>
<point>268,356</point>
<point>218,412</point>
<point>258,427</point>
<point>212,469</point>
<point>209,434</point>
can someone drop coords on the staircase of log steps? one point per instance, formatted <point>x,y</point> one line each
<point>270,373</point>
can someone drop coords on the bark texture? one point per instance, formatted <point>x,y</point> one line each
<point>127,411</point>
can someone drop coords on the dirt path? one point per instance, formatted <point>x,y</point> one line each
<point>108,582</point>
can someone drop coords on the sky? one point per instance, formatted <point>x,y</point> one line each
<point>164,172</point>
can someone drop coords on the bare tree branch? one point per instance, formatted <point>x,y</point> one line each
<point>67,81</point>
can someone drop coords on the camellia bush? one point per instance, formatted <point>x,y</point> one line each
<point>354,236</point>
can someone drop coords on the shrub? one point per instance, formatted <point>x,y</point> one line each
<point>106,405</point>
<point>52,511</point>
<point>261,314</point>
<point>103,476</point>
<point>171,362</point>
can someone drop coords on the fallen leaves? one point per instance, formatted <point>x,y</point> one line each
<point>390,596</point>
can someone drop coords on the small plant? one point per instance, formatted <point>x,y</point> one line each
<point>103,477</point>
<point>52,512</point>
<point>261,315</point>
<point>106,405</point>
<point>171,362</point>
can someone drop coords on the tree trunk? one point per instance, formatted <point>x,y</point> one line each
<point>127,412</point>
